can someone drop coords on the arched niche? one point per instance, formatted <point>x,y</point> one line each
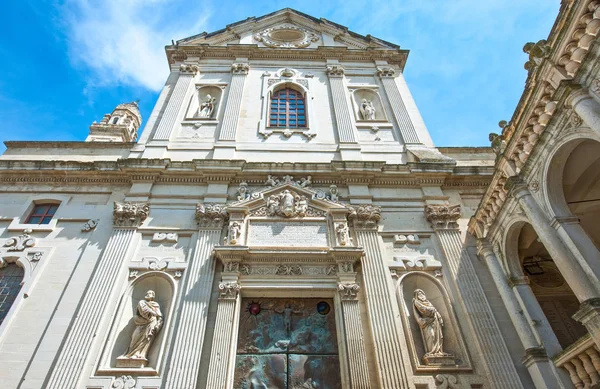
<point>12,278</point>
<point>200,96</point>
<point>369,95</point>
<point>453,343</point>
<point>123,326</point>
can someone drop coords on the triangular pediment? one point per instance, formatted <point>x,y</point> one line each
<point>287,200</point>
<point>287,28</point>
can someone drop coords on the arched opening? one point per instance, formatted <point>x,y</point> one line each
<point>11,280</point>
<point>555,297</point>
<point>287,108</point>
<point>115,120</point>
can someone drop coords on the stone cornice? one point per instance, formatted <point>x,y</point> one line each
<point>124,171</point>
<point>16,144</point>
<point>180,53</point>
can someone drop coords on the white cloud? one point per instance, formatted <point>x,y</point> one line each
<point>122,42</point>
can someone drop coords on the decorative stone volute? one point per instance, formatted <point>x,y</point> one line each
<point>348,291</point>
<point>365,216</point>
<point>187,68</point>
<point>443,217</point>
<point>130,214</point>
<point>211,215</point>
<point>385,71</point>
<point>335,70</point>
<point>20,242</point>
<point>240,68</point>
<point>229,290</point>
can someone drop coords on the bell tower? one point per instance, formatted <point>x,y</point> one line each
<point>119,126</point>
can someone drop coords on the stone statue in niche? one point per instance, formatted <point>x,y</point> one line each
<point>343,234</point>
<point>430,322</point>
<point>148,322</point>
<point>243,191</point>
<point>235,230</point>
<point>207,107</point>
<point>367,110</point>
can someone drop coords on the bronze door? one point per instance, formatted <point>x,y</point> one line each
<point>287,344</point>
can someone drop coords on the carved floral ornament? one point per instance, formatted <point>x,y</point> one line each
<point>130,214</point>
<point>385,71</point>
<point>229,290</point>
<point>123,382</point>
<point>348,291</point>
<point>21,242</point>
<point>189,69</point>
<point>364,216</point>
<point>286,37</point>
<point>443,217</point>
<point>335,70</point>
<point>240,68</point>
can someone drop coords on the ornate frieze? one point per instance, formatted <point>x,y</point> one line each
<point>211,215</point>
<point>130,214</point>
<point>90,225</point>
<point>229,290</point>
<point>348,291</point>
<point>288,270</point>
<point>335,70</point>
<point>385,71</point>
<point>365,216</point>
<point>304,182</point>
<point>21,242</point>
<point>231,267</point>
<point>189,69</point>
<point>240,68</point>
<point>443,216</point>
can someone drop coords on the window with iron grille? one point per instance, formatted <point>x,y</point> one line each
<point>11,277</point>
<point>41,214</point>
<point>288,109</point>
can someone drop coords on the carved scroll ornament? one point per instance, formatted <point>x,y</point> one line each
<point>443,216</point>
<point>21,242</point>
<point>229,290</point>
<point>211,215</point>
<point>365,216</point>
<point>348,291</point>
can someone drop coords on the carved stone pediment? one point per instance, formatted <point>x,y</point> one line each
<point>289,200</point>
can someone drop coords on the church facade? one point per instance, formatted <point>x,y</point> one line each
<point>284,220</point>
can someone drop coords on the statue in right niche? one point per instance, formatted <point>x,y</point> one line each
<point>430,321</point>
<point>367,110</point>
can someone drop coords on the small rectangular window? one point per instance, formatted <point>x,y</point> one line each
<point>41,214</point>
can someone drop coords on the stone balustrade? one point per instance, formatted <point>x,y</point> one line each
<point>582,361</point>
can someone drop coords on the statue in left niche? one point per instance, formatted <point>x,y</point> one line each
<point>207,107</point>
<point>148,322</point>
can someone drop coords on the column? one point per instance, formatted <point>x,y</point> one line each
<point>343,116</point>
<point>573,234</point>
<point>175,103</point>
<point>497,361</point>
<point>382,309</point>
<point>234,101</point>
<point>225,324</point>
<point>542,371</point>
<point>570,269</point>
<point>74,352</point>
<point>405,125</point>
<point>355,341</point>
<point>586,107</point>
<point>189,338</point>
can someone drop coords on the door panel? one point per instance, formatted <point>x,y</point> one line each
<point>287,343</point>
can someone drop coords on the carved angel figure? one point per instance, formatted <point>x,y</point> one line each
<point>243,191</point>
<point>148,323</point>
<point>301,205</point>
<point>367,110</point>
<point>343,234</point>
<point>207,107</point>
<point>430,321</point>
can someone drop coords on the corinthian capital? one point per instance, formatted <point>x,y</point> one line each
<point>240,68</point>
<point>385,71</point>
<point>130,214</point>
<point>443,217</point>
<point>348,291</point>
<point>335,70</point>
<point>365,216</point>
<point>189,69</point>
<point>229,290</point>
<point>211,215</point>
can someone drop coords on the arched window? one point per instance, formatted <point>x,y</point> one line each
<point>115,120</point>
<point>288,109</point>
<point>11,277</point>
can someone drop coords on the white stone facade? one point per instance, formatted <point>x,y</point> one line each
<point>218,211</point>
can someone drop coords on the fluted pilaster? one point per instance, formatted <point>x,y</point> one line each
<point>75,351</point>
<point>405,125</point>
<point>189,338</point>
<point>234,101</point>
<point>340,104</point>
<point>175,103</point>
<point>498,363</point>
<point>224,327</point>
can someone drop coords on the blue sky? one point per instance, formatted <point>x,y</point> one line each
<point>66,63</point>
